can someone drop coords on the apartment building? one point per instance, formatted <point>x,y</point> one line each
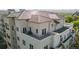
<point>10,33</point>
<point>34,29</point>
<point>3,14</point>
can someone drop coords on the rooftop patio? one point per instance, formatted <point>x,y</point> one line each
<point>61,30</point>
<point>38,37</point>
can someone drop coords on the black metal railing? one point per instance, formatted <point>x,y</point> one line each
<point>37,37</point>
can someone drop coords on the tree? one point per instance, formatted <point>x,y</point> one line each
<point>76,24</point>
<point>2,42</point>
<point>69,19</point>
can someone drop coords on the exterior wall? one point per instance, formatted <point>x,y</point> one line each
<point>51,28</point>
<point>60,47</point>
<point>2,16</point>
<point>12,32</point>
<point>28,40</point>
<point>65,34</point>
<point>46,42</point>
<point>56,40</point>
<point>43,26</point>
<point>60,25</point>
<point>1,23</point>
<point>67,43</point>
<point>8,40</point>
<point>38,44</point>
<point>34,27</point>
<point>22,23</point>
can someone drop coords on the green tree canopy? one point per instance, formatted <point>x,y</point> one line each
<point>69,19</point>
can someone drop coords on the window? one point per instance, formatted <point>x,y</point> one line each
<point>24,30</point>
<point>4,30</point>
<point>12,27</point>
<point>61,38</point>
<point>9,44</point>
<point>30,32</point>
<point>52,25</point>
<point>6,26</point>
<point>17,28</point>
<point>27,19</point>
<point>18,46</point>
<point>1,20</point>
<point>8,36</point>
<point>30,29</point>
<point>5,35</point>
<point>14,47</point>
<point>3,25</point>
<point>36,30</point>
<point>31,46</point>
<point>18,38</point>
<point>13,18</point>
<point>44,31</point>
<point>24,43</point>
<point>13,38</point>
<point>46,47</point>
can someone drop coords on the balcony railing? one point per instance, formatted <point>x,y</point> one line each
<point>37,37</point>
<point>60,44</point>
<point>61,29</point>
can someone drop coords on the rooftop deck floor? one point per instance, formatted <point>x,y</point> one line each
<point>46,35</point>
<point>38,37</point>
<point>61,29</point>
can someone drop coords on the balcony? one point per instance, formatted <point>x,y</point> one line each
<point>67,38</point>
<point>37,37</point>
<point>61,44</point>
<point>61,29</point>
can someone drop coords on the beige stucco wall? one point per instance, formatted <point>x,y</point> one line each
<point>6,20</point>
<point>10,32</point>
<point>38,44</point>
<point>28,40</point>
<point>56,40</point>
<point>22,23</point>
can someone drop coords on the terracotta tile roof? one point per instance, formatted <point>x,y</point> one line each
<point>35,18</point>
<point>53,16</point>
<point>38,16</point>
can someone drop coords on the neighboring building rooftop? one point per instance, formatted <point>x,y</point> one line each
<point>76,13</point>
